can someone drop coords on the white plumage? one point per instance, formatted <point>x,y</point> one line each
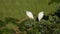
<point>40,15</point>
<point>29,14</point>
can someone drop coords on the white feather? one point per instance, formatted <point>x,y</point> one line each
<point>29,14</point>
<point>40,15</point>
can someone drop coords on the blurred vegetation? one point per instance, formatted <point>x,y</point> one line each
<point>50,24</point>
<point>7,31</point>
<point>54,1</point>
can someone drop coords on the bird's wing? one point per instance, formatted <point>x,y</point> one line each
<point>29,14</point>
<point>40,15</point>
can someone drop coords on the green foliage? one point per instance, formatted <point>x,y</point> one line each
<point>50,26</point>
<point>53,1</point>
<point>2,23</point>
<point>25,25</point>
<point>8,31</point>
<point>11,20</point>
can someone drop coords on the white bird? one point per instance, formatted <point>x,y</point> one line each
<point>40,15</point>
<point>29,14</point>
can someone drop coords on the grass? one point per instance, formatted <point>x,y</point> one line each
<point>17,8</point>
